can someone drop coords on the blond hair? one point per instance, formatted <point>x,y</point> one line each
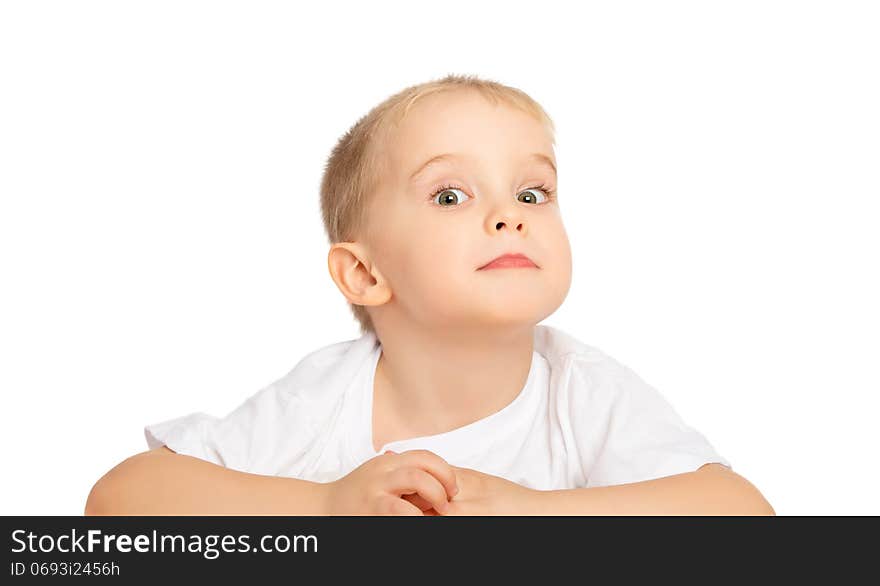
<point>356,164</point>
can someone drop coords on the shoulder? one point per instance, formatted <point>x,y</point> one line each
<point>278,428</point>
<point>309,395</point>
<point>576,364</point>
<point>587,382</point>
<point>323,374</point>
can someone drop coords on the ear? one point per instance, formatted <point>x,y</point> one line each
<point>359,280</point>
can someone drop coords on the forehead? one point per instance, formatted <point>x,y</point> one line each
<point>463,127</point>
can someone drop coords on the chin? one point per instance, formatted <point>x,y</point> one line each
<point>509,317</point>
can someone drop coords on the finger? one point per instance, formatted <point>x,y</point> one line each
<point>464,509</point>
<point>435,465</point>
<point>409,479</point>
<point>397,506</point>
<point>416,499</point>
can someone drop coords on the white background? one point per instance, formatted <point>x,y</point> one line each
<point>162,251</point>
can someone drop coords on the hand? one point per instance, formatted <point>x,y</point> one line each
<point>394,484</point>
<point>485,494</point>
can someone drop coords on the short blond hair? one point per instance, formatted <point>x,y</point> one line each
<point>356,164</point>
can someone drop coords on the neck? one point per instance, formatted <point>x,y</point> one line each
<point>433,381</point>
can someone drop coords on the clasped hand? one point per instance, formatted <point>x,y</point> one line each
<point>419,482</point>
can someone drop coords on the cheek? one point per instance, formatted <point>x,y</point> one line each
<point>435,263</point>
<point>438,260</point>
<point>560,263</point>
<point>556,253</point>
<point>562,250</point>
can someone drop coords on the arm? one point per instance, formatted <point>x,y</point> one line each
<point>162,482</point>
<point>713,489</point>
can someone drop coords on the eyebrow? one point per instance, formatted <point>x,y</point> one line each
<point>540,157</point>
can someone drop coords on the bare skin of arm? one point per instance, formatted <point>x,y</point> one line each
<point>713,489</point>
<point>163,482</point>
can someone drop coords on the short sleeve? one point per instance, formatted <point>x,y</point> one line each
<point>645,437</point>
<point>188,435</point>
<point>266,434</point>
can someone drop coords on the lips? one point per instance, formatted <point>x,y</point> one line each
<point>510,261</point>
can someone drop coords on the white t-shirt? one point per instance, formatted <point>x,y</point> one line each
<point>582,419</point>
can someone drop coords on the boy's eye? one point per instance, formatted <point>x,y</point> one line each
<point>448,195</point>
<point>530,192</point>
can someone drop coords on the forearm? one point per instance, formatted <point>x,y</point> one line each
<point>154,483</point>
<point>712,490</point>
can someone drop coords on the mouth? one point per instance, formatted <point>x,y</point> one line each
<point>510,261</point>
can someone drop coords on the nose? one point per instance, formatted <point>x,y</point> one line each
<point>507,219</point>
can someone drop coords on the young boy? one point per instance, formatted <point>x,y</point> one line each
<point>447,240</point>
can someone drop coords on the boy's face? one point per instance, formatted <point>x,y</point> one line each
<point>430,246</point>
